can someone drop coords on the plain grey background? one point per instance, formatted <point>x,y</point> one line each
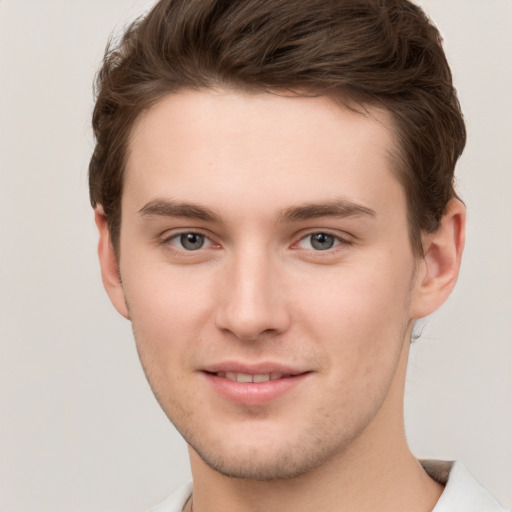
<point>79,427</point>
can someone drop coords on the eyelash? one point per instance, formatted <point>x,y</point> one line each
<point>168,241</point>
<point>337,241</point>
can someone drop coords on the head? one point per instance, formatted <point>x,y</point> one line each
<point>273,184</point>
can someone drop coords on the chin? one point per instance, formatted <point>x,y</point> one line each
<point>280,467</point>
<point>265,463</point>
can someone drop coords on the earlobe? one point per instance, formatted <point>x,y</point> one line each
<point>439,267</point>
<point>109,264</point>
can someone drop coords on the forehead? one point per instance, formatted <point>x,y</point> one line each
<point>224,144</point>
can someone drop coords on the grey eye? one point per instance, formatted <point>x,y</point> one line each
<point>192,241</point>
<point>322,241</point>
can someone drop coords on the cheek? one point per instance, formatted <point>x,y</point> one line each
<point>359,322</point>
<point>360,312</point>
<point>168,309</point>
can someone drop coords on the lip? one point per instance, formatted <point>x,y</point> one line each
<point>253,368</point>
<point>253,393</point>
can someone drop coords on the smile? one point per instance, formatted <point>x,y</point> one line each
<point>246,377</point>
<point>254,386</point>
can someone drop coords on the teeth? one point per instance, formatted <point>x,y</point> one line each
<point>245,377</point>
<point>261,378</point>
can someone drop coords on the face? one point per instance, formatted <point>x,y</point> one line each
<point>267,270</point>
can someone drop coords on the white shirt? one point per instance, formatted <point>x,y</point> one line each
<point>462,492</point>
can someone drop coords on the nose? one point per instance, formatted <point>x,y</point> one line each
<point>252,302</point>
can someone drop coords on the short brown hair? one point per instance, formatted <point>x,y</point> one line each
<point>383,52</point>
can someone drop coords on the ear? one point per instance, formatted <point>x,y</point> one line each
<point>110,274</point>
<point>439,267</point>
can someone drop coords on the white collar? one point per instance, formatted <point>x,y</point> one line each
<point>462,492</point>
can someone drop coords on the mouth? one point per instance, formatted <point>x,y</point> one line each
<point>254,386</point>
<point>247,377</point>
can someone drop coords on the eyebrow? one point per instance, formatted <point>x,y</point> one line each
<point>166,208</point>
<point>340,208</point>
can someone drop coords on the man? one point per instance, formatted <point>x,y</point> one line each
<point>273,188</point>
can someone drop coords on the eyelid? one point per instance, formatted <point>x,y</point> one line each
<point>340,239</point>
<point>170,235</point>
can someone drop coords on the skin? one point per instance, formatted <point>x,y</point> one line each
<point>258,291</point>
